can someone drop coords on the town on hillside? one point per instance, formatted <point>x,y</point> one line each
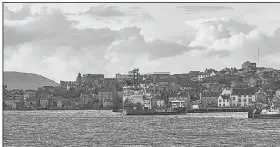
<point>230,87</point>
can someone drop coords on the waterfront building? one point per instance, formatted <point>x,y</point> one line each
<point>243,96</point>
<point>30,98</point>
<point>209,99</point>
<point>224,98</point>
<point>107,95</point>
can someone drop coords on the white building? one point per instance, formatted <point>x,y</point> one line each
<point>224,100</point>
<point>236,97</point>
<point>243,96</point>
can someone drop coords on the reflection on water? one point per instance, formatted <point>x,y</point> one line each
<point>105,128</point>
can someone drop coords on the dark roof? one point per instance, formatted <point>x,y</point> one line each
<point>225,96</point>
<point>210,94</point>
<point>244,91</point>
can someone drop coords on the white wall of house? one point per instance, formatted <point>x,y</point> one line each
<point>242,100</point>
<point>223,102</point>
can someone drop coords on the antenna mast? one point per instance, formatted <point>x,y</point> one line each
<point>258,57</point>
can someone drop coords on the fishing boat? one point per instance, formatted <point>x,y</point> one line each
<point>269,110</point>
<point>265,114</point>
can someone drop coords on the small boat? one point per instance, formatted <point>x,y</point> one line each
<point>265,114</point>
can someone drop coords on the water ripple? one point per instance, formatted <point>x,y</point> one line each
<point>104,128</point>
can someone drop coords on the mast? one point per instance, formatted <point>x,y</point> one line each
<point>258,57</point>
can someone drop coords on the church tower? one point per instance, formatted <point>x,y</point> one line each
<point>79,79</point>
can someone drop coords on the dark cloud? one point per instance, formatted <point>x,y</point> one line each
<point>45,27</point>
<point>205,9</point>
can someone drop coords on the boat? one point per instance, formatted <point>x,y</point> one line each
<point>265,114</point>
<point>267,110</point>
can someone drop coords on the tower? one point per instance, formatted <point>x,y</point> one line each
<point>79,79</point>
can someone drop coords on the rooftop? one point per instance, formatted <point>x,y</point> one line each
<point>244,91</point>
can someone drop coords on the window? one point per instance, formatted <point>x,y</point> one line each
<point>224,100</point>
<point>233,98</point>
<point>239,100</point>
<point>224,105</point>
<point>220,100</point>
<point>220,105</point>
<point>245,100</point>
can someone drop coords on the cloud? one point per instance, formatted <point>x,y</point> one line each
<point>204,9</point>
<point>105,12</point>
<point>217,53</point>
<point>228,37</point>
<point>50,45</point>
<point>22,14</point>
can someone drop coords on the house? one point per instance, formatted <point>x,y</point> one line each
<point>62,102</point>
<point>30,98</point>
<point>107,96</point>
<point>243,96</point>
<point>224,100</point>
<point>85,98</point>
<point>45,98</point>
<point>179,101</point>
<point>209,99</point>
<point>49,88</point>
<point>9,101</point>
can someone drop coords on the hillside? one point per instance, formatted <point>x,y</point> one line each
<point>19,80</point>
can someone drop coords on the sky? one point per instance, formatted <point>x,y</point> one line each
<point>59,40</point>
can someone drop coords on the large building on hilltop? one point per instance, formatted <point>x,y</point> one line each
<point>249,66</point>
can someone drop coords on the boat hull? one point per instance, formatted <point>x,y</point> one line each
<point>263,116</point>
<point>266,116</point>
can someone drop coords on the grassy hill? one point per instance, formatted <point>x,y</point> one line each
<point>19,80</point>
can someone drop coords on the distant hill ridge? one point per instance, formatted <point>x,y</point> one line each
<point>20,80</point>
